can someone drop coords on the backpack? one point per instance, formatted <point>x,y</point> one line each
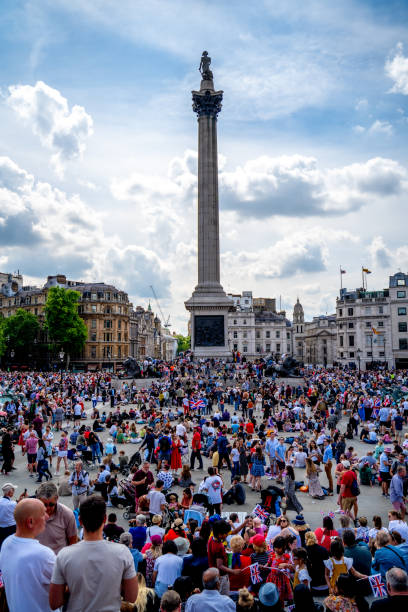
<point>354,488</point>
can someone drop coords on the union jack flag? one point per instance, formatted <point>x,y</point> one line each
<point>197,403</point>
<point>378,587</point>
<point>260,512</point>
<point>255,573</point>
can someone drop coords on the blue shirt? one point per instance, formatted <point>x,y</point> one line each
<point>383,466</point>
<point>328,454</point>
<point>387,557</point>
<point>137,556</point>
<point>280,449</point>
<point>138,536</point>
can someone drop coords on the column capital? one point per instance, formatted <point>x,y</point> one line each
<point>207,103</point>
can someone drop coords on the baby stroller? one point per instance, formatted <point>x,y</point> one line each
<point>200,500</point>
<point>129,493</point>
<point>135,459</point>
<point>171,513</point>
<point>271,499</point>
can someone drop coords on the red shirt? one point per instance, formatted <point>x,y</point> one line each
<point>324,537</point>
<point>346,480</point>
<point>249,428</point>
<point>196,441</point>
<point>216,550</point>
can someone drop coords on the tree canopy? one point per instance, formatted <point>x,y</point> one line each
<point>66,329</point>
<point>184,343</point>
<point>20,330</point>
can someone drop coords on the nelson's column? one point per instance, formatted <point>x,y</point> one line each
<point>209,304</point>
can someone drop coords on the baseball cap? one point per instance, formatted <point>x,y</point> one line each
<point>257,539</point>
<point>346,463</point>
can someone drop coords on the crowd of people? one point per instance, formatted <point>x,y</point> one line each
<point>117,447</point>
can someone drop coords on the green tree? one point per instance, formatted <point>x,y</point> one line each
<point>66,329</point>
<point>184,343</point>
<point>20,330</point>
<point>3,344</point>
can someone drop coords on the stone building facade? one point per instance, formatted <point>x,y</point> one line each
<point>398,300</point>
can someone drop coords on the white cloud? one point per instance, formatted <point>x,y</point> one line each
<point>381,256</point>
<point>301,253</point>
<point>381,127</point>
<point>59,128</point>
<point>359,129</point>
<point>361,105</point>
<point>397,70</point>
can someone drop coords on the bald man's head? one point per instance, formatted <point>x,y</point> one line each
<point>30,515</point>
<point>211,578</point>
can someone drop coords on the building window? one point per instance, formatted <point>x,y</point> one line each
<point>93,307</point>
<point>369,354</point>
<point>245,349</point>
<point>351,340</point>
<point>278,348</point>
<point>382,354</point>
<point>402,327</point>
<point>351,353</point>
<point>288,348</point>
<point>403,344</point>
<point>401,294</point>
<point>235,321</point>
<point>402,310</point>
<point>341,338</point>
<point>119,337</point>
<point>278,334</point>
<point>244,334</point>
<point>287,335</point>
<point>368,324</point>
<point>93,323</point>
<point>244,321</point>
<point>380,323</point>
<point>235,334</point>
<point>341,355</point>
<point>350,312</point>
<point>93,297</point>
<point>268,334</point>
<point>93,337</point>
<point>258,334</point>
<point>381,310</point>
<point>401,282</point>
<point>119,351</point>
<point>340,312</point>
<point>341,326</point>
<point>368,310</point>
<point>351,325</point>
<point>107,324</point>
<point>268,346</point>
<point>36,311</point>
<point>258,348</point>
<point>93,351</point>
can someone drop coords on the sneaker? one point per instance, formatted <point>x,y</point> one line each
<point>56,473</point>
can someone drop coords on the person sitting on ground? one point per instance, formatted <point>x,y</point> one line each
<point>111,530</point>
<point>386,556</point>
<point>343,596</point>
<point>210,597</point>
<point>236,494</point>
<point>338,564</point>
<point>397,588</point>
<point>325,534</point>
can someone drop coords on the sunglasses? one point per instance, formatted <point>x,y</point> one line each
<point>49,504</point>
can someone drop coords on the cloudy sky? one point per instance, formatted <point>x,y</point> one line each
<point>98,141</point>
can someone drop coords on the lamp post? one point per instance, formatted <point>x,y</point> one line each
<point>61,356</point>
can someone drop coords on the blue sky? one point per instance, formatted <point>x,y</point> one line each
<point>98,140</point>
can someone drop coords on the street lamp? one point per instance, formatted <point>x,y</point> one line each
<point>61,356</point>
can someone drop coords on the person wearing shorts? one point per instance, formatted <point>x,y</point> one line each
<point>62,452</point>
<point>31,448</point>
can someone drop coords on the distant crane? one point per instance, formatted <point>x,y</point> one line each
<point>166,322</point>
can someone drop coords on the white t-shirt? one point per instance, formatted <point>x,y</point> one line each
<point>399,526</point>
<point>26,567</point>
<point>180,430</point>
<point>154,530</point>
<point>303,574</point>
<point>7,506</point>
<point>157,499</point>
<point>168,568</point>
<point>300,459</point>
<point>273,531</point>
<point>214,488</point>
<point>94,572</point>
<point>348,561</point>
<point>373,532</point>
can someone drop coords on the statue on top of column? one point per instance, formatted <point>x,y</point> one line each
<point>204,67</point>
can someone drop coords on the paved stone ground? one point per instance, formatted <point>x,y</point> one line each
<point>370,501</point>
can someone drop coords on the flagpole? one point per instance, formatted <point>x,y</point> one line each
<point>362,275</point>
<point>341,280</point>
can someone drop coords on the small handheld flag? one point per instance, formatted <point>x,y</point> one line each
<point>255,573</point>
<point>377,586</point>
<point>260,512</point>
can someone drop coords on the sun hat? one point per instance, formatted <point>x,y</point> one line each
<point>178,523</point>
<point>346,463</point>
<point>299,520</point>
<point>268,594</point>
<point>182,546</point>
<point>7,486</point>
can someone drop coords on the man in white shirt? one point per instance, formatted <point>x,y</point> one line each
<point>157,499</point>
<point>7,507</point>
<point>95,570</point>
<point>26,564</point>
<point>180,430</point>
<point>213,484</point>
